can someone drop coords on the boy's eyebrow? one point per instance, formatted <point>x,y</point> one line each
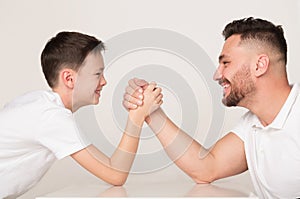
<point>100,69</point>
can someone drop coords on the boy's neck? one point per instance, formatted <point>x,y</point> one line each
<point>65,98</point>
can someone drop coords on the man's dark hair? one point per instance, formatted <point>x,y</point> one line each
<point>67,49</point>
<point>259,30</point>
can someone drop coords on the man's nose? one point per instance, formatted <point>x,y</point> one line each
<point>218,74</point>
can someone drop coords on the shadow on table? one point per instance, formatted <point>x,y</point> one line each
<point>198,190</point>
<point>209,190</point>
<point>115,191</point>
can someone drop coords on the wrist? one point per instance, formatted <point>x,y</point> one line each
<point>148,119</point>
<point>136,117</point>
<point>134,125</point>
<point>155,114</point>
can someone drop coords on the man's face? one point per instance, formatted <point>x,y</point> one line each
<point>234,72</point>
<point>89,81</point>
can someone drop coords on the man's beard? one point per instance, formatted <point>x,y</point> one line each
<point>241,86</point>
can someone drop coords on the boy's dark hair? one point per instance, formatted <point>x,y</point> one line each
<point>259,30</point>
<point>67,49</point>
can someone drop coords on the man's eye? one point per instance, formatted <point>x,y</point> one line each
<point>98,74</point>
<point>225,63</point>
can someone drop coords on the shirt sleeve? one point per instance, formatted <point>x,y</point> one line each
<point>242,126</point>
<point>61,135</point>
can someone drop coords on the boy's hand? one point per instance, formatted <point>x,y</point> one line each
<point>151,101</point>
<point>134,93</point>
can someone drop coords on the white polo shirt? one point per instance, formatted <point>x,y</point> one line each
<point>273,152</point>
<point>35,130</point>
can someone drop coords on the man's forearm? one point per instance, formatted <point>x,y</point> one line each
<point>180,147</point>
<point>173,139</point>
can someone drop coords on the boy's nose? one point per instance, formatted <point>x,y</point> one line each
<point>103,81</point>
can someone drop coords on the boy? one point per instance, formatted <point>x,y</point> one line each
<point>38,127</point>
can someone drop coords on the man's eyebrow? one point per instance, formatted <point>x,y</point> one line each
<point>221,57</point>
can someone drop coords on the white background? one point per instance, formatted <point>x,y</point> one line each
<point>27,25</point>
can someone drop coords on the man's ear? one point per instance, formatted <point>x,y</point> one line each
<point>262,65</point>
<point>68,77</point>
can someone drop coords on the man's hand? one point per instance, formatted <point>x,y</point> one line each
<point>134,93</point>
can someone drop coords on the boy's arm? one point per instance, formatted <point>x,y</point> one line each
<point>115,170</point>
<point>225,158</point>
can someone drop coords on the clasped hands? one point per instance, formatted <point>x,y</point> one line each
<point>139,93</point>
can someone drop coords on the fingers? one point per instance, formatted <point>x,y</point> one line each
<point>128,105</point>
<point>151,87</point>
<point>134,93</point>
<point>140,82</point>
<point>158,99</point>
<point>137,85</point>
<point>133,96</point>
<point>132,100</point>
<point>155,92</point>
<point>160,103</point>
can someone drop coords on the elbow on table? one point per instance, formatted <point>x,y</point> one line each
<point>118,180</point>
<point>118,183</point>
<point>203,179</point>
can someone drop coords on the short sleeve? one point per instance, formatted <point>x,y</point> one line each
<point>61,135</point>
<point>238,130</point>
<point>243,125</point>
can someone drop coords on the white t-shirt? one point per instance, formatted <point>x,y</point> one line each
<point>273,152</point>
<point>35,130</point>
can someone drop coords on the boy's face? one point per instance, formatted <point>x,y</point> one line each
<point>89,81</point>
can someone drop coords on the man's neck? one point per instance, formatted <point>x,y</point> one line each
<point>268,101</point>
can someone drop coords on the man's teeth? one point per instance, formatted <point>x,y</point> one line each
<point>225,85</point>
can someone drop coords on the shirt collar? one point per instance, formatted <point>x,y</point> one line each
<point>281,117</point>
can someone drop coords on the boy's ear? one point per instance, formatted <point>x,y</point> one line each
<point>262,65</point>
<point>68,77</point>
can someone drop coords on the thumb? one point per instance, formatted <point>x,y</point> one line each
<point>140,82</point>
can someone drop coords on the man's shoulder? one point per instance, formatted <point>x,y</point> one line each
<point>245,122</point>
<point>247,117</point>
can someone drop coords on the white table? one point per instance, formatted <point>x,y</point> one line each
<point>177,189</point>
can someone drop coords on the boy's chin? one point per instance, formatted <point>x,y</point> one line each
<point>96,101</point>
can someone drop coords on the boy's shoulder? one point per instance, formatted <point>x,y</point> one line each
<point>36,98</point>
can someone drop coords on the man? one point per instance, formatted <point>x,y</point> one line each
<point>38,127</point>
<point>252,71</point>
